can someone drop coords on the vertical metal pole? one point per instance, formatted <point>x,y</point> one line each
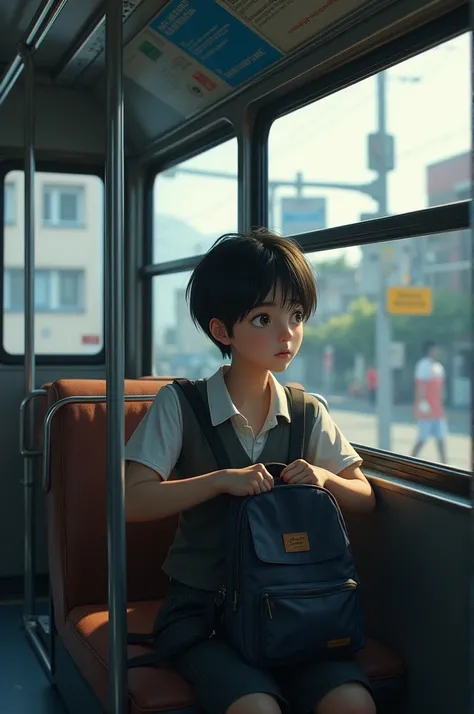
<point>383,331</point>
<point>29,326</point>
<point>114,224</point>
<point>471,593</point>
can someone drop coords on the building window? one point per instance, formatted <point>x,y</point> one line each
<point>63,207</point>
<point>14,290</point>
<point>55,290</point>
<point>9,212</point>
<point>70,290</point>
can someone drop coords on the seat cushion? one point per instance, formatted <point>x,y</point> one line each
<point>161,689</point>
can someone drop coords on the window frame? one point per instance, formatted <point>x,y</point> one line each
<point>252,134</point>
<point>411,44</point>
<point>48,359</point>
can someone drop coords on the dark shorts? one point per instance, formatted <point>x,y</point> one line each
<point>219,676</point>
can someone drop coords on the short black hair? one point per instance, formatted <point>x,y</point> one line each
<point>237,274</point>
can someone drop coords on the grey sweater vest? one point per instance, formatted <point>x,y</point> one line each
<point>196,557</point>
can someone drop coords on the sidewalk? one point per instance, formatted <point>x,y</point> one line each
<point>459,420</point>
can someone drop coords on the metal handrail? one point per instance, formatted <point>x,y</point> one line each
<point>39,27</point>
<point>77,399</point>
<point>26,54</point>
<point>24,450</point>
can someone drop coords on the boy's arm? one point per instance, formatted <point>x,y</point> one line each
<point>336,465</point>
<point>351,489</point>
<point>149,497</point>
<point>152,453</point>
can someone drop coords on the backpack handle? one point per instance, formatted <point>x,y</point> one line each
<point>275,468</point>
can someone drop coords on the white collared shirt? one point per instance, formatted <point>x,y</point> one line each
<point>157,441</point>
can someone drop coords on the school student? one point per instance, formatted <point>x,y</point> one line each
<point>251,294</point>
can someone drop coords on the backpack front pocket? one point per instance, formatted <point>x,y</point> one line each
<point>309,621</point>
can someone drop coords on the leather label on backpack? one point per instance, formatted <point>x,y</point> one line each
<point>343,642</point>
<point>296,542</point>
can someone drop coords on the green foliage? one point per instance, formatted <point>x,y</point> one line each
<point>354,332</point>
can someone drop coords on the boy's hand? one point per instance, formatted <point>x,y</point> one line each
<point>302,472</point>
<point>249,481</point>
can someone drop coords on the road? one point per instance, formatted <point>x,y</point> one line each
<point>359,424</point>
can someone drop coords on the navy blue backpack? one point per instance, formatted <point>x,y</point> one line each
<point>291,588</point>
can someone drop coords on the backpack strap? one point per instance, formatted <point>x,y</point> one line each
<point>297,425</point>
<point>203,416</point>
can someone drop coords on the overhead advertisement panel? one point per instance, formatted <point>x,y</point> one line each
<point>172,75</point>
<point>216,39</point>
<point>290,23</point>
<point>194,52</point>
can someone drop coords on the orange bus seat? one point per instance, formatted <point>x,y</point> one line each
<point>78,557</point>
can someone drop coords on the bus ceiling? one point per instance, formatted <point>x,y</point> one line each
<point>187,58</point>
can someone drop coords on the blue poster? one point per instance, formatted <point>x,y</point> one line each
<point>216,39</point>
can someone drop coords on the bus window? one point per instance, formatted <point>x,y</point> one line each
<point>359,156</point>
<point>427,321</point>
<point>195,202</point>
<point>393,143</point>
<point>68,264</point>
<point>179,348</point>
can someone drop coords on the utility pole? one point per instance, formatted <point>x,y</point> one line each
<point>383,327</point>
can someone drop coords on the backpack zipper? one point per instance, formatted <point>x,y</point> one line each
<point>346,585</point>
<point>268,604</point>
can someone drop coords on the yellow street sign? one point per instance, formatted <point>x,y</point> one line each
<point>409,301</point>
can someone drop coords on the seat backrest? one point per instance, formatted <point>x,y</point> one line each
<point>77,503</point>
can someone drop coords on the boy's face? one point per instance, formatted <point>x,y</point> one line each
<point>270,336</point>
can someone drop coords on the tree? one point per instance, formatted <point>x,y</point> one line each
<point>353,333</point>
